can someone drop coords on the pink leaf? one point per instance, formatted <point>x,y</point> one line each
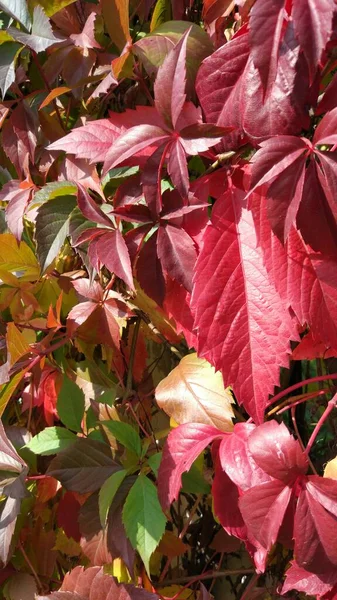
<point>243,327</point>
<point>78,315</point>
<point>183,446</point>
<point>277,452</point>
<point>226,503</point>
<point>177,254</point>
<point>301,580</point>
<point>170,84</point>
<point>91,141</point>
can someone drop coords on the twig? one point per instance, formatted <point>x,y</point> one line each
<point>299,385</point>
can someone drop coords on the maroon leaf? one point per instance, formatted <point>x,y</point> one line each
<point>226,503</point>
<point>169,87</point>
<point>177,168</point>
<point>84,467</point>
<point>231,286</point>
<point>313,26</point>
<point>177,254</point>
<point>149,271</point>
<point>183,446</point>
<point>266,29</point>
<point>111,250</point>
<point>89,208</point>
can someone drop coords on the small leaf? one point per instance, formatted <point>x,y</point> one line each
<point>18,258</point>
<point>8,54</point>
<point>52,228</point>
<point>126,435</point>
<point>17,345</point>
<point>70,405</point>
<point>143,518</point>
<point>51,441</point>
<point>116,17</point>
<point>108,492</point>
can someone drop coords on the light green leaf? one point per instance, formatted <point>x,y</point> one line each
<point>70,405</point>
<point>126,435</point>
<point>154,462</point>
<point>162,13</point>
<point>143,518</point>
<point>51,441</point>
<point>17,9</point>
<point>108,492</point>
<point>50,6</point>
<point>52,227</point>
<point>8,54</point>
<point>52,190</point>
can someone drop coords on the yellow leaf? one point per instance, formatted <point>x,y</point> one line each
<point>18,259</point>
<point>16,343</point>
<point>194,393</point>
<point>67,545</point>
<point>157,317</point>
<point>331,469</point>
<point>8,389</point>
<point>50,6</point>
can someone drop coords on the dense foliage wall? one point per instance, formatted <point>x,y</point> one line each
<point>168,298</point>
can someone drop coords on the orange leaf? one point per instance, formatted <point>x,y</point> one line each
<point>116,17</point>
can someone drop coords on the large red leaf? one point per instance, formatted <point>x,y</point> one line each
<point>265,28</point>
<point>277,452</point>
<point>177,254</point>
<point>91,141</point>
<point>183,446</point>
<point>243,327</point>
<point>301,580</point>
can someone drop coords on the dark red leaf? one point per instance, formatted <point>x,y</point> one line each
<point>177,254</point>
<point>177,168</point>
<point>111,250</point>
<point>89,208</point>
<point>226,503</point>
<point>149,271</point>
<point>67,516</point>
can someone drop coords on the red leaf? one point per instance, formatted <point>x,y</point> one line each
<point>111,250</point>
<point>67,516</point>
<point>263,508</point>
<point>183,446</point>
<point>266,29</point>
<point>277,452</point>
<point>149,271</point>
<point>308,349</point>
<point>315,535</point>
<point>132,141</point>
<point>89,208</point>
<point>226,503</point>
<point>237,460</point>
<point>18,196</point>
<point>313,26</point>
<point>78,315</point>
<point>314,300</point>
<point>177,305</point>
<point>170,84</point>
<point>301,580</point>
<point>177,168</point>
<point>243,327</point>
<point>177,254</point>
<point>91,141</point>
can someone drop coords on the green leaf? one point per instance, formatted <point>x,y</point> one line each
<point>51,440</point>
<point>108,492</point>
<point>70,405</point>
<point>8,54</point>
<point>52,227</point>
<point>143,518</point>
<point>126,435</point>
<point>161,13</point>
<point>50,6</point>
<point>18,10</point>
<point>154,462</point>
<point>194,483</point>
<point>52,190</point>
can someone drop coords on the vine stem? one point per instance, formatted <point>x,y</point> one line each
<point>286,405</point>
<point>35,575</point>
<point>331,405</point>
<point>209,575</point>
<point>301,384</point>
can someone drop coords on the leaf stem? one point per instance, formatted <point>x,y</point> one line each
<point>35,575</point>
<point>331,405</point>
<point>300,384</point>
<point>208,575</point>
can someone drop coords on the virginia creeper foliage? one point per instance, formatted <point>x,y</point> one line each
<point>168,298</point>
